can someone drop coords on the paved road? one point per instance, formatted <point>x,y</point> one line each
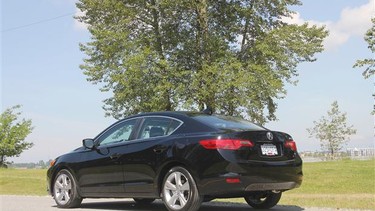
<point>44,203</point>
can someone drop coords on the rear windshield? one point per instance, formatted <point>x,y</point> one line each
<point>226,122</point>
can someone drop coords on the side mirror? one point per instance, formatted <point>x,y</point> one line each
<point>88,143</point>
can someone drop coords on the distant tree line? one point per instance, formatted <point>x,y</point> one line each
<point>40,165</point>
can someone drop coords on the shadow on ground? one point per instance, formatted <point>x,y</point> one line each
<point>159,206</point>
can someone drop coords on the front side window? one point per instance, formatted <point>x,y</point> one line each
<point>118,133</point>
<point>158,126</point>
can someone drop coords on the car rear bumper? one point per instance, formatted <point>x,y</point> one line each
<point>272,186</point>
<point>249,178</point>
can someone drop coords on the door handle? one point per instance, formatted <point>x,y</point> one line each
<point>160,149</point>
<point>115,156</point>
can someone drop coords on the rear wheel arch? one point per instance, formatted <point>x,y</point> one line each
<point>180,191</point>
<point>165,169</point>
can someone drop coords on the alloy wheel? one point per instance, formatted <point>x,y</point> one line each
<point>176,190</point>
<point>63,189</point>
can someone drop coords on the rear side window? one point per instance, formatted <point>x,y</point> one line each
<point>226,122</point>
<point>158,126</point>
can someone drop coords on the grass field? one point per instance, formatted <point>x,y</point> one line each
<point>23,182</point>
<point>336,184</point>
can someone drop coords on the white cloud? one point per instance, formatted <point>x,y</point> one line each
<point>77,24</point>
<point>294,19</point>
<point>354,21</point>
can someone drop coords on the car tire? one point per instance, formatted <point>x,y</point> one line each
<point>65,190</point>
<point>179,191</point>
<point>143,201</point>
<point>263,200</point>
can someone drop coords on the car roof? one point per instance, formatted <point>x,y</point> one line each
<point>169,113</point>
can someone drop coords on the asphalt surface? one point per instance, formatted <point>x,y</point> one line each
<point>45,203</point>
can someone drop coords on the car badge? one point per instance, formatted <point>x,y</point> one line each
<point>269,136</point>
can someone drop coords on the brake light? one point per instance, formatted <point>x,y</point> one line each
<point>230,144</point>
<point>290,144</point>
<point>232,180</point>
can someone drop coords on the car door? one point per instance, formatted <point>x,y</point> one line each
<point>145,153</point>
<point>102,173</point>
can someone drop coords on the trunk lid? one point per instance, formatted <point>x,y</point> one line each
<point>268,146</point>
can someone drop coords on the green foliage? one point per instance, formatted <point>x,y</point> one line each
<point>332,131</point>
<point>234,56</point>
<point>369,63</point>
<point>13,133</point>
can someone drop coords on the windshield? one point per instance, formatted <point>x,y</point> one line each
<point>226,122</point>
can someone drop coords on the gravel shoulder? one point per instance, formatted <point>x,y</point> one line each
<point>46,203</point>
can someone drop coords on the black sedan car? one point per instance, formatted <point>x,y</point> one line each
<point>184,158</point>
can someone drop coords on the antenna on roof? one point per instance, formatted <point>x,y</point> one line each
<point>207,110</point>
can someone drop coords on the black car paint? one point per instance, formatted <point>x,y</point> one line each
<point>136,168</point>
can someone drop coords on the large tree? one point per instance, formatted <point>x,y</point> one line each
<point>332,130</point>
<point>13,132</point>
<point>369,63</point>
<point>234,56</point>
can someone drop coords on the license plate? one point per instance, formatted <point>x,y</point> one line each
<point>268,149</point>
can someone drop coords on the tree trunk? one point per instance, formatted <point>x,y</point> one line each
<point>159,48</point>
<point>2,161</point>
<point>244,35</point>
<point>246,32</point>
<point>332,151</point>
<point>156,27</point>
<point>203,51</point>
<point>231,107</point>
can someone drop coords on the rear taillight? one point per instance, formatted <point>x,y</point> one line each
<point>230,144</point>
<point>290,144</point>
<point>232,180</point>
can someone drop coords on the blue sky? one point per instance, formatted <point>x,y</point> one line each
<point>40,70</point>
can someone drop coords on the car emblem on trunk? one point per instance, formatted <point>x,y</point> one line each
<point>269,136</point>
